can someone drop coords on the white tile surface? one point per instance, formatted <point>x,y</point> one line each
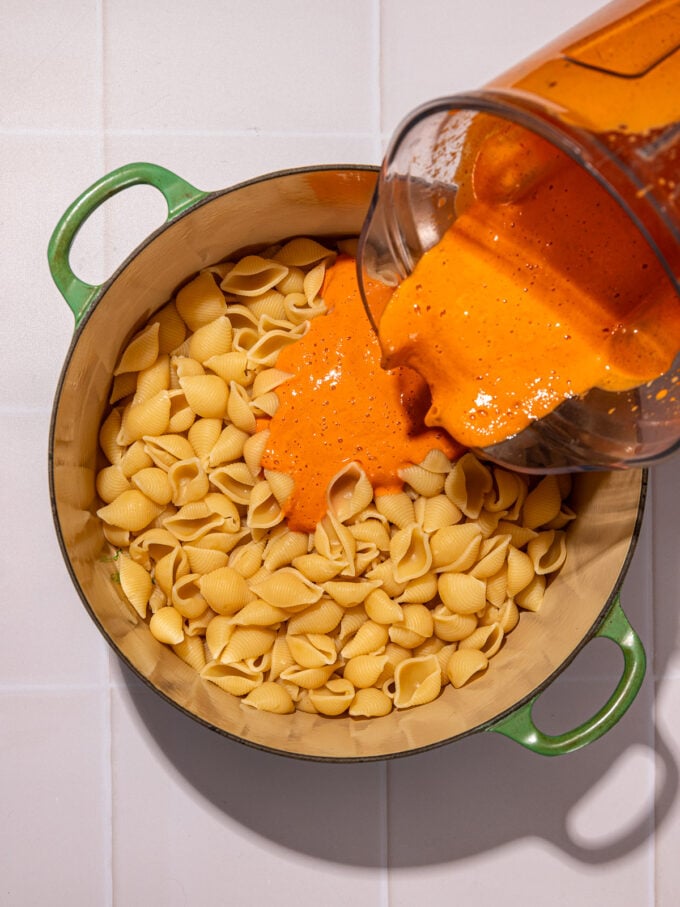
<point>110,796</point>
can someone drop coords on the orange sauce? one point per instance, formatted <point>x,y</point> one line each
<point>540,290</point>
<point>340,405</point>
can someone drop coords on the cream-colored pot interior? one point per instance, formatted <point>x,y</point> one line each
<point>312,203</point>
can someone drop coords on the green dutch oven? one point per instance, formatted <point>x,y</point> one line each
<point>581,604</point>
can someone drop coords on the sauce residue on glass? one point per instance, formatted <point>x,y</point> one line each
<point>540,290</point>
<point>341,406</point>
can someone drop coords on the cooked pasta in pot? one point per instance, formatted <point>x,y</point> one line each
<point>402,581</point>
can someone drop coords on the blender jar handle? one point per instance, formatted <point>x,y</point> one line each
<point>519,725</point>
<point>178,194</point>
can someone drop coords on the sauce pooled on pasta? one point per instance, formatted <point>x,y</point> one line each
<point>340,405</point>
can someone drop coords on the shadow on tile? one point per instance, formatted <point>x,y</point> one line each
<point>459,800</point>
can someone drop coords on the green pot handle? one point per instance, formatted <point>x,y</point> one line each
<point>520,727</point>
<point>178,194</point>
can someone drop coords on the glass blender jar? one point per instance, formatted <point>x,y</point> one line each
<point>605,98</point>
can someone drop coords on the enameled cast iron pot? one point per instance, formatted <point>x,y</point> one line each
<point>202,228</point>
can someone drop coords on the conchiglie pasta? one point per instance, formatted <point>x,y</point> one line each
<point>392,600</point>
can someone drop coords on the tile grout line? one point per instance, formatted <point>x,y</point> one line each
<point>107,723</point>
<point>377,151</point>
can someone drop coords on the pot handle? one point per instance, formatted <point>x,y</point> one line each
<point>520,727</point>
<point>178,194</point>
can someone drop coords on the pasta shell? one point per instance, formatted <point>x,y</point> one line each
<point>415,626</point>
<point>334,698</point>
<point>135,459</point>
<point>421,480</point>
<point>203,436</point>
<point>455,547</point>
<point>171,328</point>
<point>382,609</point>
<point>217,634</point>
<point>492,556</point>
<point>207,395</point>
<point>417,681</point>
<point>219,503</point>
<point>520,571</point>
<point>531,597</point>
<point>253,275</point>
<point>236,679</point>
<point>225,590</point>
<point>200,301</point>
<point>108,437</point>
<point>316,567</point>
<point>292,282</point>
<point>270,697</point>
<point>152,380</point>
<point>436,512</point>
<point>467,485</point>
<point>136,584</point>
<point>234,480</point>
<point>212,339</point>
<point>298,307</point>
<point>191,651</point>
<point>192,521</point>
<point>282,485</point>
<point>131,510</point>
<point>364,670</point>
<point>464,665</point>
<point>170,568</point>
<point>410,553</point>
<point>312,650</point>
<point>166,626</point>
<point>124,385</point>
<point>334,541</point>
<point>349,492</point>
<point>397,508</point>
<point>186,596</point>
<point>238,409</point>
<point>166,449</point>
<point>372,531</point>
<point>247,559</point>
<point>452,626</point>
<point>321,617</point>
<point>487,639</point>
<point>301,251</point>
<point>506,489</point>
<point>269,303</point>
<point>547,551</point>
<point>258,613</point>
<point>348,593</point>
<point>462,593</point>
<point>542,504</point>
<point>282,550</point>
<point>153,482</point>
<point>253,449</point>
<point>419,590</point>
<point>181,414</point>
<point>370,703</point>
<point>384,572</point>
<point>204,560</point>
<point>111,481</point>
<point>247,642</point>
<point>265,351</point>
<point>148,418</point>
<point>118,538</point>
<point>228,447</point>
<point>269,379</point>
<point>152,545</point>
<point>264,511</point>
<point>188,481</point>
<point>288,588</point>
<point>233,366</point>
<point>141,351</point>
<point>307,678</point>
<point>369,639</point>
